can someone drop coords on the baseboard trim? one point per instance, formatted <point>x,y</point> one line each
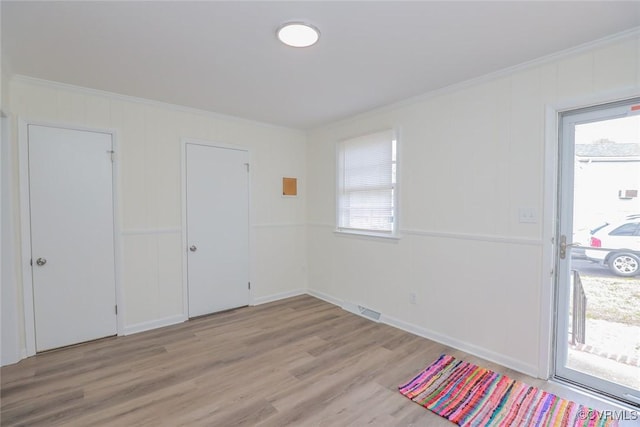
<point>361,311</point>
<point>325,297</point>
<point>474,350</point>
<point>18,356</point>
<point>154,324</point>
<point>275,297</point>
<point>411,328</point>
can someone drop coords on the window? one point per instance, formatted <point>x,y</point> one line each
<point>628,229</point>
<point>367,184</point>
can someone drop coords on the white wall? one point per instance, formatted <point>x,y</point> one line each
<point>149,137</point>
<point>469,159</point>
<point>10,347</point>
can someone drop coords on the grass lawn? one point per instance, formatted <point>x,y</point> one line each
<point>613,299</point>
<point>613,313</point>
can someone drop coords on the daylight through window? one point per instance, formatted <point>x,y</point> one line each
<point>367,184</point>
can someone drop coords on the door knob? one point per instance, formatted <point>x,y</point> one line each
<point>41,261</point>
<point>564,245</point>
<point>193,248</point>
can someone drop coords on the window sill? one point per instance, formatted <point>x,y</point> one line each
<point>367,234</point>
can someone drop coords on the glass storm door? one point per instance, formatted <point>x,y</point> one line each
<point>597,340</point>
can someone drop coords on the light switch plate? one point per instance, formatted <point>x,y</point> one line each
<point>528,215</point>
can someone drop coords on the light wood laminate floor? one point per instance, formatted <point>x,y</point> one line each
<point>299,361</point>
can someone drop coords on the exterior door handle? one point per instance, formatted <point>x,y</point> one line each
<point>564,245</point>
<point>193,248</point>
<point>41,261</point>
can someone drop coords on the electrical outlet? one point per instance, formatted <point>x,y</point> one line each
<point>412,298</point>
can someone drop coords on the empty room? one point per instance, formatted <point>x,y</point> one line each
<point>320,213</point>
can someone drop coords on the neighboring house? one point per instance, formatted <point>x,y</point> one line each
<point>606,185</point>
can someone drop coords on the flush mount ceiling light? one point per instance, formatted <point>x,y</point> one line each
<point>298,34</point>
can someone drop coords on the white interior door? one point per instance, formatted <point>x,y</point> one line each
<point>72,235</point>
<point>217,195</point>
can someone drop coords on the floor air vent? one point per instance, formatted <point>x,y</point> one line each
<point>361,310</point>
<point>367,312</point>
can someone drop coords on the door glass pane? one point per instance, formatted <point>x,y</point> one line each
<point>604,272</point>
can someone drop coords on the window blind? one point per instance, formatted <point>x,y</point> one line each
<point>366,183</point>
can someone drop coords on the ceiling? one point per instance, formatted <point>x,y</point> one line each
<point>223,56</point>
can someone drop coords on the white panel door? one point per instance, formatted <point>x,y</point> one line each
<point>72,235</point>
<point>217,228</point>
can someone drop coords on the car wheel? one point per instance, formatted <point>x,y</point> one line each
<point>624,264</point>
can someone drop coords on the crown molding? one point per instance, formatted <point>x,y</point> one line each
<point>544,60</point>
<point>20,78</point>
<point>585,47</point>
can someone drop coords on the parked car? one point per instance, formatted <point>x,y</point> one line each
<point>617,246</point>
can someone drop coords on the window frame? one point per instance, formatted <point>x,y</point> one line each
<point>394,233</point>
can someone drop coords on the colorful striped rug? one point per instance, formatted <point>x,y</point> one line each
<point>472,396</point>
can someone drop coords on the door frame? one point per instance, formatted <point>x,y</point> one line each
<point>25,226</point>
<point>185,276</point>
<point>12,350</point>
<point>548,288</point>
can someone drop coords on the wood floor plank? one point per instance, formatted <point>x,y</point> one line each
<point>298,362</point>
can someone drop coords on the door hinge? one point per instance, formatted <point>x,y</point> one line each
<point>249,285</point>
<point>248,166</point>
<point>116,308</point>
<point>112,154</point>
